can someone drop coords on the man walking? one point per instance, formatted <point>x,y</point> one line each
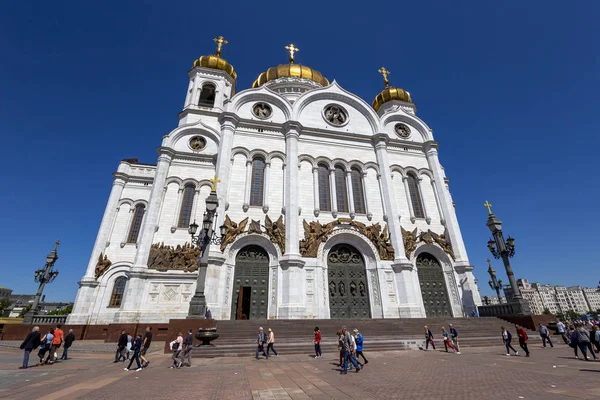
<point>454,338</point>
<point>561,331</point>
<point>69,339</point>
<point>188,345</point>
<point>347,343</point>
<point>522,339</point>
<point>56,343</point>
<point>31,342</point>
<point>121,345</point>
<point>271,342</point>
<point>260,342</point>
<point>146,346</point>
<point>137,346</point>
<point>545,334</point>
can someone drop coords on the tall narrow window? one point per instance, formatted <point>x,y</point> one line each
<point>257,184</point>
<point>341,190</point>
<point>136,223</point>
<point>117,293</point>
<point>187,203</point>
<point>324,188</point>
<point>415,196</point>
<point>358,192</point>
<point>207,95</point>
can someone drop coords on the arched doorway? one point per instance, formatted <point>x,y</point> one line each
<point>433,286</point>
<point>251,284</point>
<point>348,290</point>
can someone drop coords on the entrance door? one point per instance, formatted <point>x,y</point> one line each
<point>251,284</point>
<point>433,286</point>
<point>348,291</point>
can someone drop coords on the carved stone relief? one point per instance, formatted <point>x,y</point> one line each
<point>181,258</point>
<point>402,130</point>
<point>262,110</point>
<point>102,266</point>
<point>232,230</point>
<point>335,115</point>
<point>274,230</point>
<point>411,240</point>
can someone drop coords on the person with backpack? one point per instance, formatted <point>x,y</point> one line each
<point>507,337</point>
<point>428,338</point>
<point>137,349</point>
<point>188,345</point>
<point>545,334</point>
<point>522,339</point>
<point>46,343</point>
<point>317,342</point>
<point>31,342</point>
<point>359,339</point>
<point>260,342</point>
<point>177,346</point>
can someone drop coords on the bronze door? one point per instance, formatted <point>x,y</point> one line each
<point>433,286</point>
<point>251,283</point>
<point>348,291</point>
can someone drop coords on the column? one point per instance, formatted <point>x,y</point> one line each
<point>385,217</point>
<point>195,203</point>
<point>177,210</point>
<point>425,214</point>
<point>228,123</point>
<point>190,92</point>
<point>363,176</point>
<point>350,194</point>
<point>332,188</point>
<point>266,187</point>
<point>247,189</point>
<point>437,202</point>
<point>408,199</point>
<point>315,172</point>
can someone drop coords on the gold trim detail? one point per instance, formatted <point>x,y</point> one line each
<point>290,71</point>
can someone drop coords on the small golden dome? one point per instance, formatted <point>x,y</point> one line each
<point>391,93</point>
<point>290,71</point>
<point>215,62</point>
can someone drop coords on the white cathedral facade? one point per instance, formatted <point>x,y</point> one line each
<point>333,208</point>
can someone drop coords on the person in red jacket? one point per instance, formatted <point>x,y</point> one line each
<point>317,343</point>
<point>522,339</point>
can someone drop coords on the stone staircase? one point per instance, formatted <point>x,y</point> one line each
<point>236,338</point>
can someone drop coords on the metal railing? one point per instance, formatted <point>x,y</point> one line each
<point>49,319</point>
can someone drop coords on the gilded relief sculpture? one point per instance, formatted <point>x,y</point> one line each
<point>233,230</point>
<point>314,235</point>
<point>181,258</point>
<point>410,241</point>
<point>102,265</point>
<point>276,231</point>
<point>430,237</point>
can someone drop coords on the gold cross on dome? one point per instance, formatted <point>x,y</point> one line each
<point>489,206</point>
<point>220,42</point>
<point>292,49</point>
<point>214,182</point>
<point>385,74</point>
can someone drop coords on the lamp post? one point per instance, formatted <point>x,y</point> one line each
<point>505,250</point>
<point>42,276</point>
<point>204,239</point>
<point>495,284</point>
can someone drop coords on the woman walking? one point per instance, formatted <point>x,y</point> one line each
<point>522,339</point>
<point>137,349</point>
<point>428,338</point>
<point>271,342</point>
<point>583,341</point>
<point>341,347</point>
<point>176,346</point>
<point>507,337</point>
<point>359,346</point>
<point>595,337</point>
<point>447,342</point>
<point>572,335</point>
<point>46,343</point>
<point>317,342</point>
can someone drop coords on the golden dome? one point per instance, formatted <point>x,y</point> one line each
<point>215,62</point>
<point>391,93</point>
<point>290,71</point>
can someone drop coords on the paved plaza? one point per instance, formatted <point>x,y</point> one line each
<point>478,373</point>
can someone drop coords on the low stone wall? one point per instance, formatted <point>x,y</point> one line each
<point>529,321</point>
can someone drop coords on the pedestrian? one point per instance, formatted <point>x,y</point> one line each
<point>447,342</point>
<point>595,337</point>
<point>188,345</point>
<point>176,346</point>
<point>56,343</point>
<point>359,339</point>
<point>271,342</point>
<point>31,342</point>
<point>145,346</point>
<point>507,337</point>
<point>428,338</point>
<point>573,339</point>
<point>317,342</point>
<point>347,344</point>
<point>454,338</point>
<point>545,334</point>
<point>121,345</point>
<point>46,344</point>
<point>69,339</point>
<point>583,341</point>
<point>561,331</point>
<point>137,349</point>
<point>129,345</point>
<point>522,339</point>
<point>340,347</point>
<point>260,342</point>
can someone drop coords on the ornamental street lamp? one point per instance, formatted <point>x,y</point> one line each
<point>505,250</point>
<point>495,284</point>
<point>204,239</point>
<point>42,276</point>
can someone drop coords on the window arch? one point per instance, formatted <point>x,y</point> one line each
<point>117,293</point>
<point>207,95</point>
<point>341,190</point>
<point>136,223</point>
<point>415,196</point>
<point>358,191</point>
<point>187,203</point>
<point>324,188</point>
<point>257,183</point>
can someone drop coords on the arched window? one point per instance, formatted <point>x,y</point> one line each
<point>358,191</point>
<point>207,95</point>
<point>324,188</point>
<point>341,190</point>
<point>415,196</point>
<point>117,293</point>
<point>136,223</point>
<point>257,184</point>
<point>187,203</point>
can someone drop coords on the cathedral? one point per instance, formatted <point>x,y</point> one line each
<point>328,207</point>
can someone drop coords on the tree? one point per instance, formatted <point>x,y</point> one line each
<point>65,311</point>
<point>546,312</point>
<point>25,311</point>
<point>4,303</point>
<point>571,314</point>
<point>561,316</point>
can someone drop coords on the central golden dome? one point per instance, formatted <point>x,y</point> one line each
<point>290,71</point>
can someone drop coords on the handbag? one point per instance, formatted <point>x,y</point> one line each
<point>175,345</point>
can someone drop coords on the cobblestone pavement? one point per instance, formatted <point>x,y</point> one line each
<point>478,373</point>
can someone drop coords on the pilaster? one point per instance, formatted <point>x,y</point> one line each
<point>292,131</point>
<point>229,122</point>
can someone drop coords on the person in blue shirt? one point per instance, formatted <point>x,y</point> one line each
<point>454,338</point>
<point>358,338</point>
<point>447,342</point>
<point>46,343</point>
<point>137,349</point>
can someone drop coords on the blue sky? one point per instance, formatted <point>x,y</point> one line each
<point>509,88</point>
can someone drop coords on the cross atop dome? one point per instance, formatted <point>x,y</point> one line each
<point>220,42</point>
<point>385,74</point>
<point>292,49</point>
